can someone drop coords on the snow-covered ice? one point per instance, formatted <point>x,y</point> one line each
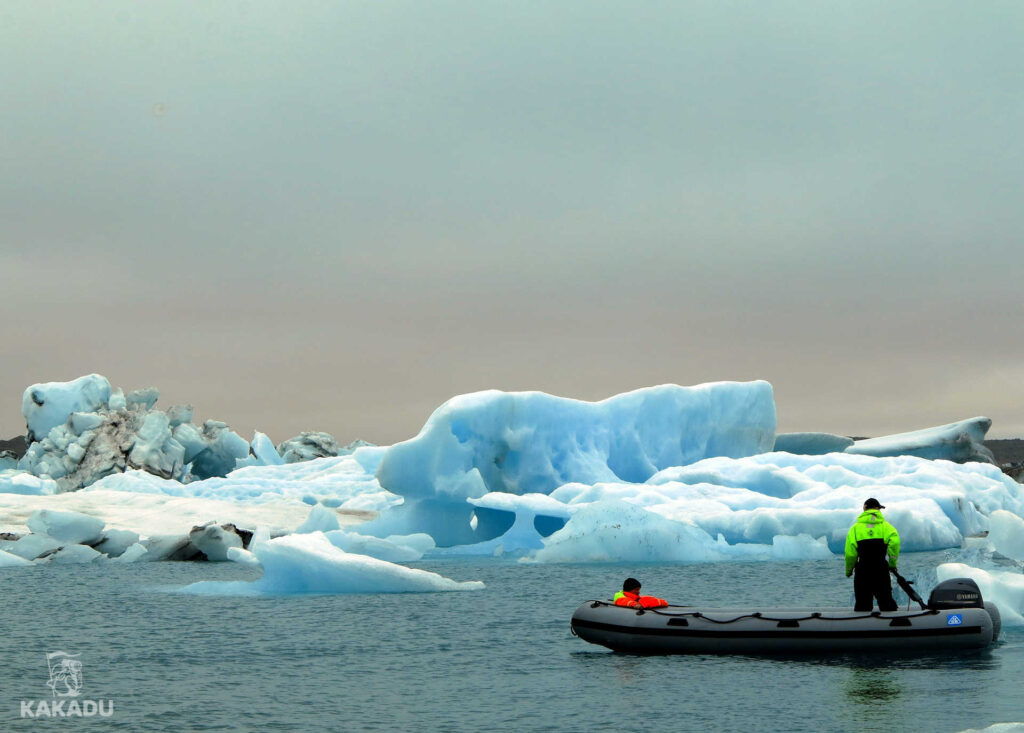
<point>309,563</point>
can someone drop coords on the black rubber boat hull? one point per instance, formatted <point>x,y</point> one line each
<point>690,630</point>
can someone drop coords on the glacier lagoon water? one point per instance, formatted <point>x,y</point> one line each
<point>498,659</point>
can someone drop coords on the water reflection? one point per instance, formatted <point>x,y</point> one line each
<point>877,684</point>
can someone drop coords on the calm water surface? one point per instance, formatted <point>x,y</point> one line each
<point>500,659</point>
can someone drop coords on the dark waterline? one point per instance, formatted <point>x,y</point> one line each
<point>498,659</point>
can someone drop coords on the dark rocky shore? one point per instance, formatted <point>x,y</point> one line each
<point>16,446</point>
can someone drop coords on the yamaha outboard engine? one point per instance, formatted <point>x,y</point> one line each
<point>956,593</point>
<point>964,593</point>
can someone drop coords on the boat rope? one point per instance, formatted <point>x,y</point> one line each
<point>759,615</point>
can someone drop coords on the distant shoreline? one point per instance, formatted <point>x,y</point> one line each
<point>1006,450</point>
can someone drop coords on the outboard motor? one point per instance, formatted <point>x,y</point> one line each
<point>956,593</point>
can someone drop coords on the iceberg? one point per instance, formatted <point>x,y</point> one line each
<point>309,563</point>
<point>82,430</point>
<point>961,442</point>
<point>532,442</point>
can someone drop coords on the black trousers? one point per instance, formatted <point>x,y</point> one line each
<point>870,581</point>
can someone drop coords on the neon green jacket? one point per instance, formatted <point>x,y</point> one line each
<point>871,536</point>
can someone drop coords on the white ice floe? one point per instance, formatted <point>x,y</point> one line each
<point>9,560</point>
<point>73,527</point>
<point>615,531</point>
<point>74,555</point>
<point>31,546</point>
<point>309,563</point>
<point>1003,587</point>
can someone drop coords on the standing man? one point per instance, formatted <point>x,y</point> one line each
<point>872,547</point>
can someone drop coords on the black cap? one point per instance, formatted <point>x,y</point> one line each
<point>872,504</point>
<point>630,584</point>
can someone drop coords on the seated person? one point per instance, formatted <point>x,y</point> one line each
<point>630,596</point>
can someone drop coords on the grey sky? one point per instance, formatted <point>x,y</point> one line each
<point>335,216</point>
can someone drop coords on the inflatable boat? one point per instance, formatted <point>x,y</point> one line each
<point>956,617</point>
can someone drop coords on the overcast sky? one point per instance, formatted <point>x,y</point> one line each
<point>335,216</point>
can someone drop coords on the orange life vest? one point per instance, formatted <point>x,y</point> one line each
<point>637,601</point>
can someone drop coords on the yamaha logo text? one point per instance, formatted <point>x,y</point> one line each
<point>65,684</point>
